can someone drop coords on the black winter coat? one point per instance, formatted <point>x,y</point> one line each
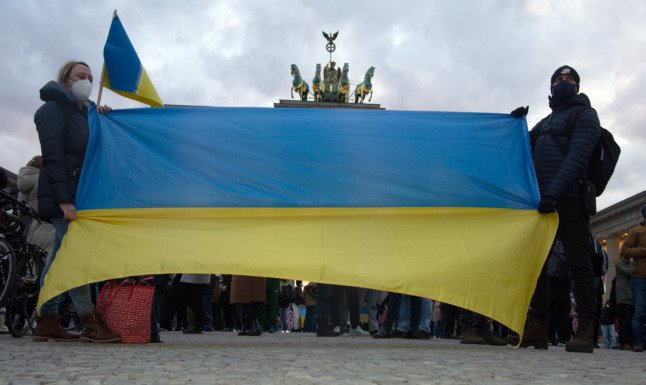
<point>559,175</point>
<point>63,132</point>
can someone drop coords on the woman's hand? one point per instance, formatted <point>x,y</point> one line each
<point>104,109</point>
<point>69,211</point>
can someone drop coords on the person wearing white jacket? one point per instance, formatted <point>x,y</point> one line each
<point>40,234</point>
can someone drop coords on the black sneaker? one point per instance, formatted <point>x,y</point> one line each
<point>421,335</point>
<point>398,334</point>
<point>326,332</point>
<point>382,333</point>
<point>193,330</point>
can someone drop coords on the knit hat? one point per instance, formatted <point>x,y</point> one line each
<point>565,70</point>
<point>644,211</point>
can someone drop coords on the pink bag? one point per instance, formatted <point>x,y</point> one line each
<point>126,309</point>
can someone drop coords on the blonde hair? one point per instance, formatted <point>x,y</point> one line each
<point>66,69</point>
<point>36,161</point>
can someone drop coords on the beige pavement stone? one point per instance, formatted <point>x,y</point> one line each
<point>294,358</point>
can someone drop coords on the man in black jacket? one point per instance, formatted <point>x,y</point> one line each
<point>562,144</point>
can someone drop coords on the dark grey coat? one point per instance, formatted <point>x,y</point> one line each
<point>559,174</point>
<point>63,132</point>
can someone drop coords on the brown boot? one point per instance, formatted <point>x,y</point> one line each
<point>469,336</point>
<point>535,335</point>
<point>94,330</point>
<point>583,340</point>
<point>49,328</point>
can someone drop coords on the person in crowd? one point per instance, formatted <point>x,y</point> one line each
<point>477,330</point>
<point>297,302</point>
<point>624,300</point>
<point>607,321</point>
<point>346,300</point>
<point>249,292</point>
<point>310,293</point>
<point>216,309</point>
<point>173,307</point>
<point>63,131</point>
<point>561,155</point>
<point>437,319</point>
<point>40,234</point>
<point>284,302</point>
<point>386,330</point>
<point>225,303</point>
<point>324,316</point>
<point>373,300</point>
<point>207,300</point>
<point>451,321</point>
<point>269,310</point>
<point>192,288</point>
<point>635,247</point>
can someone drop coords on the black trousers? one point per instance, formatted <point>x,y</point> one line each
<point>193,293</point>
<point>472,320</point>
<point>624,323</point>
<point>574,231</point>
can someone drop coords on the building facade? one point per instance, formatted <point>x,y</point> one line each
<point>610,227</point>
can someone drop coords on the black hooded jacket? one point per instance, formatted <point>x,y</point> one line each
<point>63,132</point>
<point>559,174</point>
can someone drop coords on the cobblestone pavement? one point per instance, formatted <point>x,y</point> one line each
<point>294,358</point>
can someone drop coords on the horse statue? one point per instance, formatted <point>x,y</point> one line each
<point>317,85</point>
<point>344,84</point>
<point>364,88</point>
<point>298,84</point>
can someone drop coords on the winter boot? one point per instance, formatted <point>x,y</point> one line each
<point>469,336</point>
<point>253,329</point>
<point>535,335</point>
<point>324,329</point>
<point>49,328</point>
<point>94,330</point>
<point>583,340</point>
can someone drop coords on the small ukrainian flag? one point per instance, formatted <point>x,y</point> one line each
<point>124,73</point>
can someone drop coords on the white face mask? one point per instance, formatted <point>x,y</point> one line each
<point>82,89</point>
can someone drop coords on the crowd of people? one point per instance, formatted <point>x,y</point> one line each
<point>566,307</point>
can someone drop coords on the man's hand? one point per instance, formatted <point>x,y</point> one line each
<point>547,205</point>
<point>520,112</point>
<point>69,211</point>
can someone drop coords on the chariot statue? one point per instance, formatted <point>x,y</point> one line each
<point>335,85</point>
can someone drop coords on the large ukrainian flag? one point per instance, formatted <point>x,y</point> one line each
<point>124,73</point>
<point>435,204</point>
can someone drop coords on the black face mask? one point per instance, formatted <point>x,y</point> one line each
<point>563,90</point>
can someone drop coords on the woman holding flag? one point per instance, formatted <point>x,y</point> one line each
<point>63,131</point>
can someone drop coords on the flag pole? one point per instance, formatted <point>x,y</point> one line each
<point>98,99</point>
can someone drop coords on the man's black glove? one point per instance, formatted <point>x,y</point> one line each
<point>546,205</point>
<point>520,112</point>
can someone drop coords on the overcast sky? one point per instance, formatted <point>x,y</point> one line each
<point>484,56</point>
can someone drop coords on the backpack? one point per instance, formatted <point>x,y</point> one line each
<point>604,157</point>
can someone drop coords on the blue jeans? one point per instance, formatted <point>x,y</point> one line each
<point>80,295</point>
<point>639,311</point>
<point>426,315</point>
<point>609,336</point>
<point>403,322</point>
<point>283,318</point>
